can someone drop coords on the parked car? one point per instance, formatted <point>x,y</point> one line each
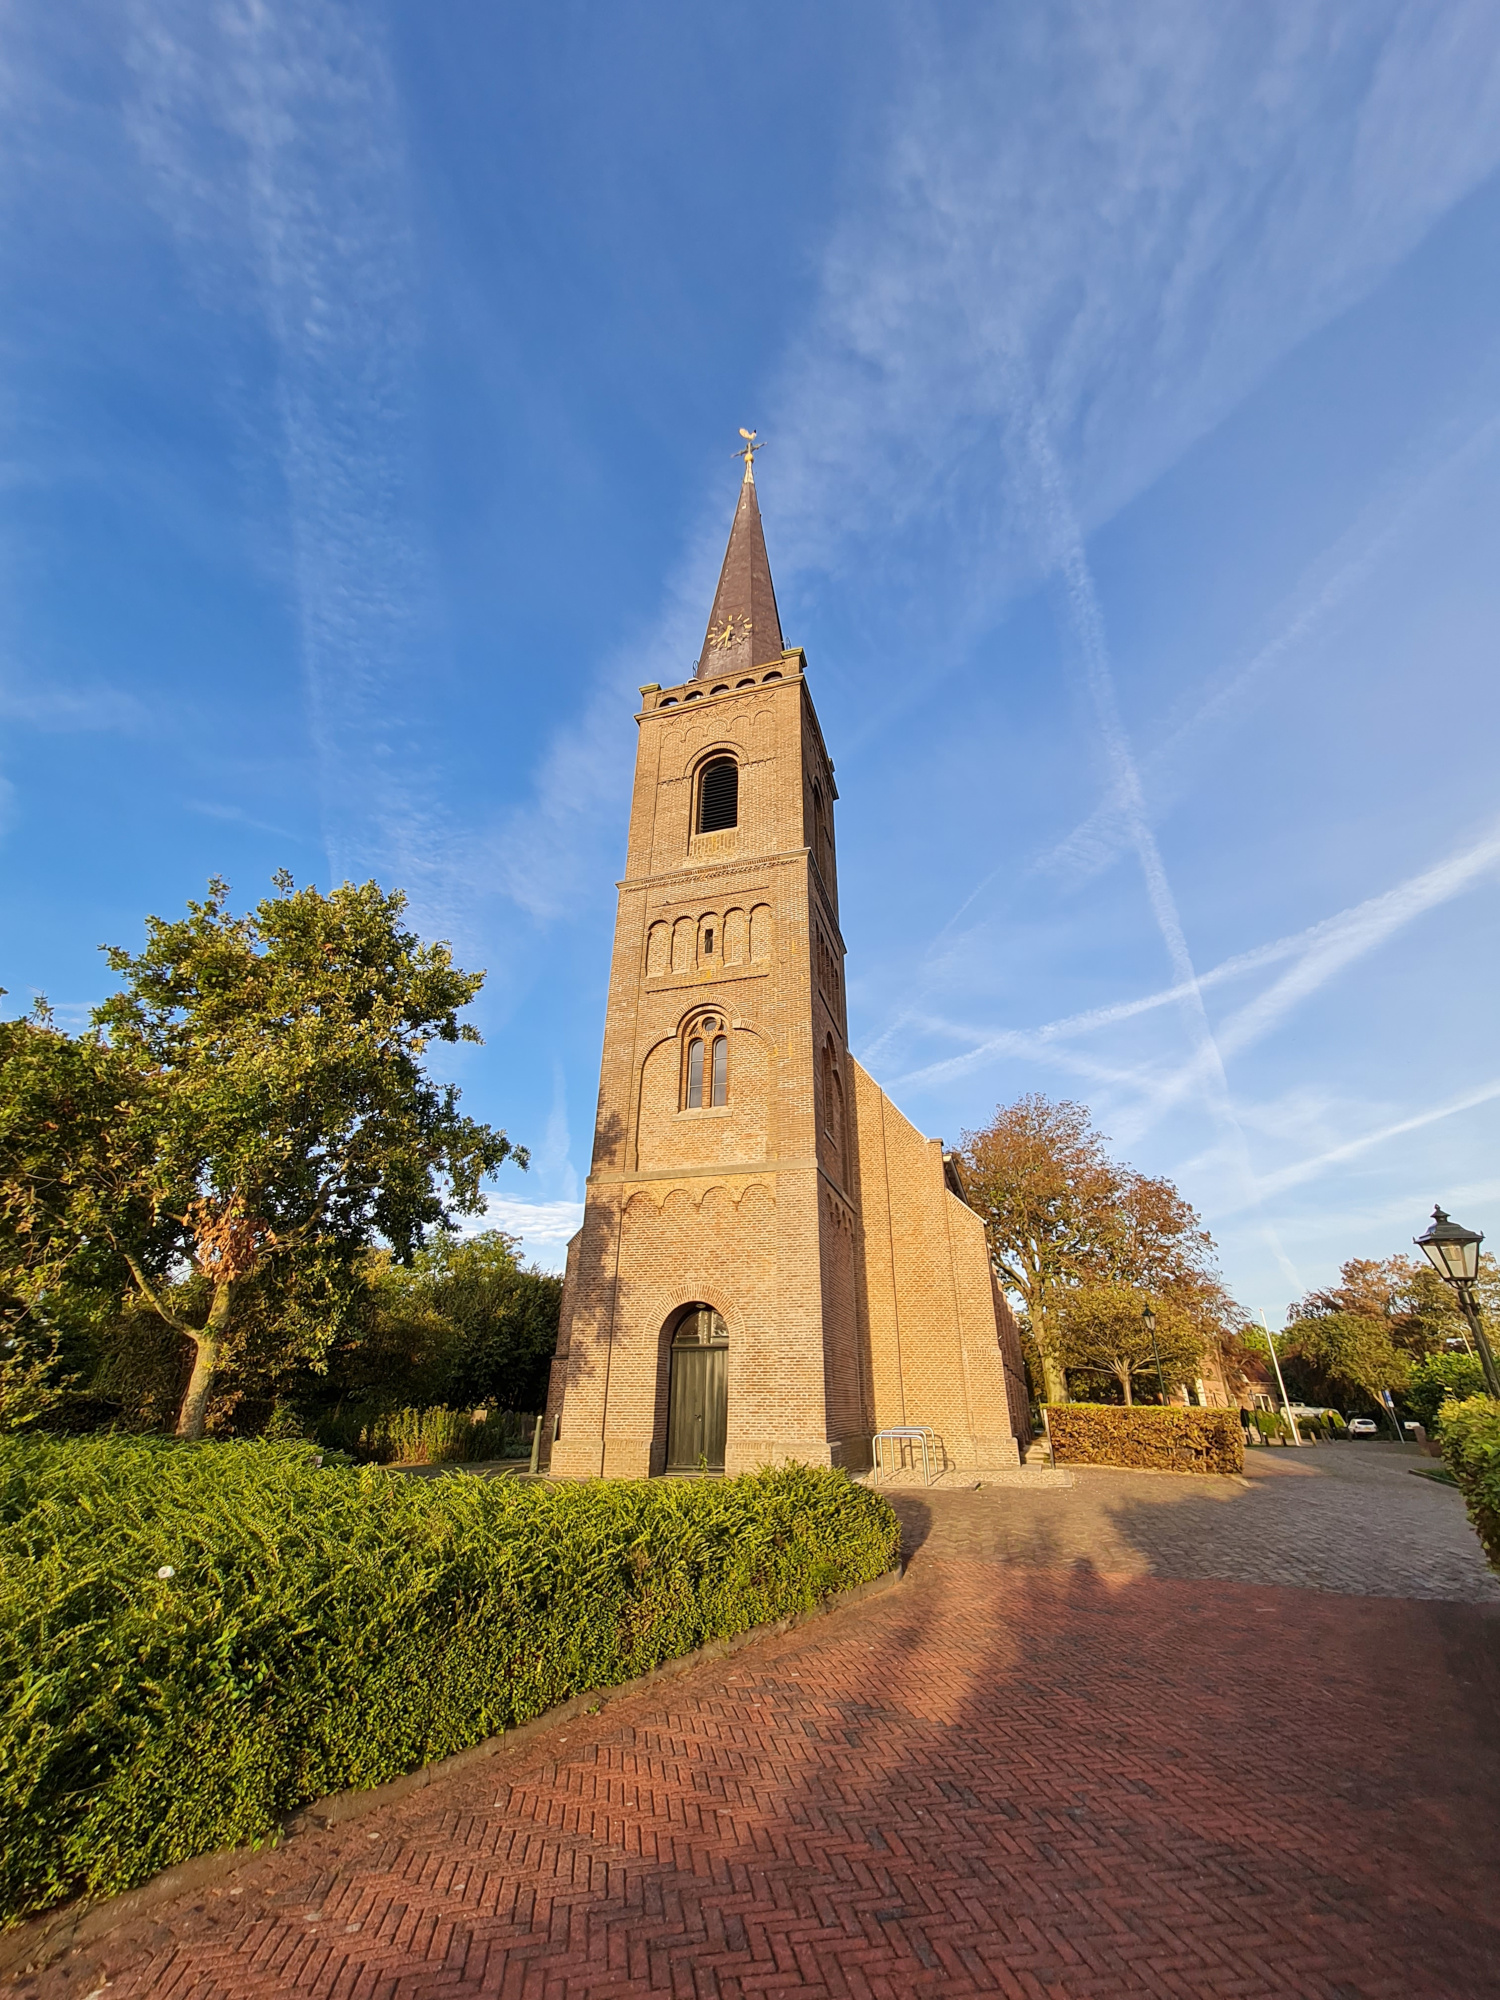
<point>1363,1427</point>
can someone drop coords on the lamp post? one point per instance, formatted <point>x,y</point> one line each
<point>1281,1381</point>
<point>1148,1320</point>
<point>1453,1253</point>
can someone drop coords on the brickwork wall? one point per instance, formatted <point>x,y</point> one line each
<point>754,1207</point>
<point>933,1335</point>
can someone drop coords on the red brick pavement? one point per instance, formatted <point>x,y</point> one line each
<point>993,1780</point>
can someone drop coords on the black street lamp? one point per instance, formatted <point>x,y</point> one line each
<point>1148,1320</point>
<point>1453,1253</point>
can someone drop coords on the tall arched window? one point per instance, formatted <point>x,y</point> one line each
<point>833,1098</point>
<point>706,1069</point>
<point>719,796</point>
<point>721,1069</point>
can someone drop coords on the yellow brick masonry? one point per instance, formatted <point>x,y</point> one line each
<point>806,1210</point>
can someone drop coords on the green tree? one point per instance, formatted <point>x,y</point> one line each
<point>1040,1178</point>
<point>255,1113</point>
<point>1436,1377</point>
<point>1347,1351</point>
<point>1060,1215</point>
<point>1417,1305</point>
<point>69,1114</point>
<point>463,1323</point>
<point>1101,1331</point>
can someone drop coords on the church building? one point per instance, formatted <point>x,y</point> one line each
<point>773,1263</point>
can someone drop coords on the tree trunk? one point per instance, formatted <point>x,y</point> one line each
<point>1125,1385</point>
<point>1054,1376</point>
<point>207,1357</point>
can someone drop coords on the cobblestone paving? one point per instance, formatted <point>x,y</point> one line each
<point>1346,1517</point>
<point>1081,1751</point>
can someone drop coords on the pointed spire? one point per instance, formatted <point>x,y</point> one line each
<point>744,629</point>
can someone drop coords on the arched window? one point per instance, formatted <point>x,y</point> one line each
<point>833,1098</point>
<point>721,1069</point>
<point>719,795</point>
<point>706,1069</point>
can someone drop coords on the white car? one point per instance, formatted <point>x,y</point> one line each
<point>1363,1427</point>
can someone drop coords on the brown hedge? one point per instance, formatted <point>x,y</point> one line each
<point>1171,1439</point>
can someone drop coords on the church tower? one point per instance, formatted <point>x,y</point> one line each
<point>764,1235</point>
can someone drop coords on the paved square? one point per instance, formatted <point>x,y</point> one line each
<point>1147,1735</point>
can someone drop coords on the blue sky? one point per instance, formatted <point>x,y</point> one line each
<point>1131,377</point>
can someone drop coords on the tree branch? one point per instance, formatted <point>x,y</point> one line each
<point>178,1325</point>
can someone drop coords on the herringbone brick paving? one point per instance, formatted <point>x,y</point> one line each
<point>1045,1777</point>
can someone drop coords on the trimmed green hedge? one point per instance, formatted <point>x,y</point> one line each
<point>195,1640</point>
<point>1469,1433</point>
<point>1149,1436</point>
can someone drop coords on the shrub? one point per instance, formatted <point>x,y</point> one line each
<point>1148,1435</point>
<point>439,1436</point>
<point>1469,1432</point>
<point>1439,1376</point>
<point>195,1640</point>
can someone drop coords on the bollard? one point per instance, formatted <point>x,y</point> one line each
<point>536,1445</point>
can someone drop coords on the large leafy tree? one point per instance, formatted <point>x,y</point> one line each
<point>1061,1215</point>
<point>1418,1308</point>
<point>249,1114</point>
<point>1343,1352</point>
<point>463,1323</point>
<point>1102,1332</point>
<point>1039,1176</point>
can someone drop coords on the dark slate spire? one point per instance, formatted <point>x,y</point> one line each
<point>744,630</point>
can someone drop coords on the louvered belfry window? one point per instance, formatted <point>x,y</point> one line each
<point>719,796</point>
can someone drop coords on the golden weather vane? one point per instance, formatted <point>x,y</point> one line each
<point>747,452</point>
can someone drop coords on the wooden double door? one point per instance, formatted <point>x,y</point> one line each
<point>698,1398</point>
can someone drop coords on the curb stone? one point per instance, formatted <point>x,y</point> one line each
<point>37,1942</point>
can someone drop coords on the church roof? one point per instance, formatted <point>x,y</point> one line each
<point>744,627</point>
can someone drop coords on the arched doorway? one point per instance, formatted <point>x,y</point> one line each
<point>698,1397</point>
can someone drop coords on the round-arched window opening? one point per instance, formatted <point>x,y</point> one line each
<point>696,695</point>
<point>773,675</point>
<point>719,795</point>
<point>722,688</point>
<point>706,1072</point>
<point>668,701</point>
<point>745,684</point>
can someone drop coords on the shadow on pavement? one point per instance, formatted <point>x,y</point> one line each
<point>1046,1765</point>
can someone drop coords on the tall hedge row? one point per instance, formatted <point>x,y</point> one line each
<point>1469,1433</point>
<point>195,1640</point>
<point>1150,1437</point>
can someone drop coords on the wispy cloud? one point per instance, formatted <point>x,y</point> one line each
<point>1319,952</point>
<point>58,708</point>
<point>274,139</point>
<point>1174,759</point>
<point>237,816</point>
<point>1150,206</point>
<point>544,1227</point>
<point>1314,1168</point>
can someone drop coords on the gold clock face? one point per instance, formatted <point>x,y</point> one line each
<point>733,628</point>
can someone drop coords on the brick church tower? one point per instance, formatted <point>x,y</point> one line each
<point>773,1263</point>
